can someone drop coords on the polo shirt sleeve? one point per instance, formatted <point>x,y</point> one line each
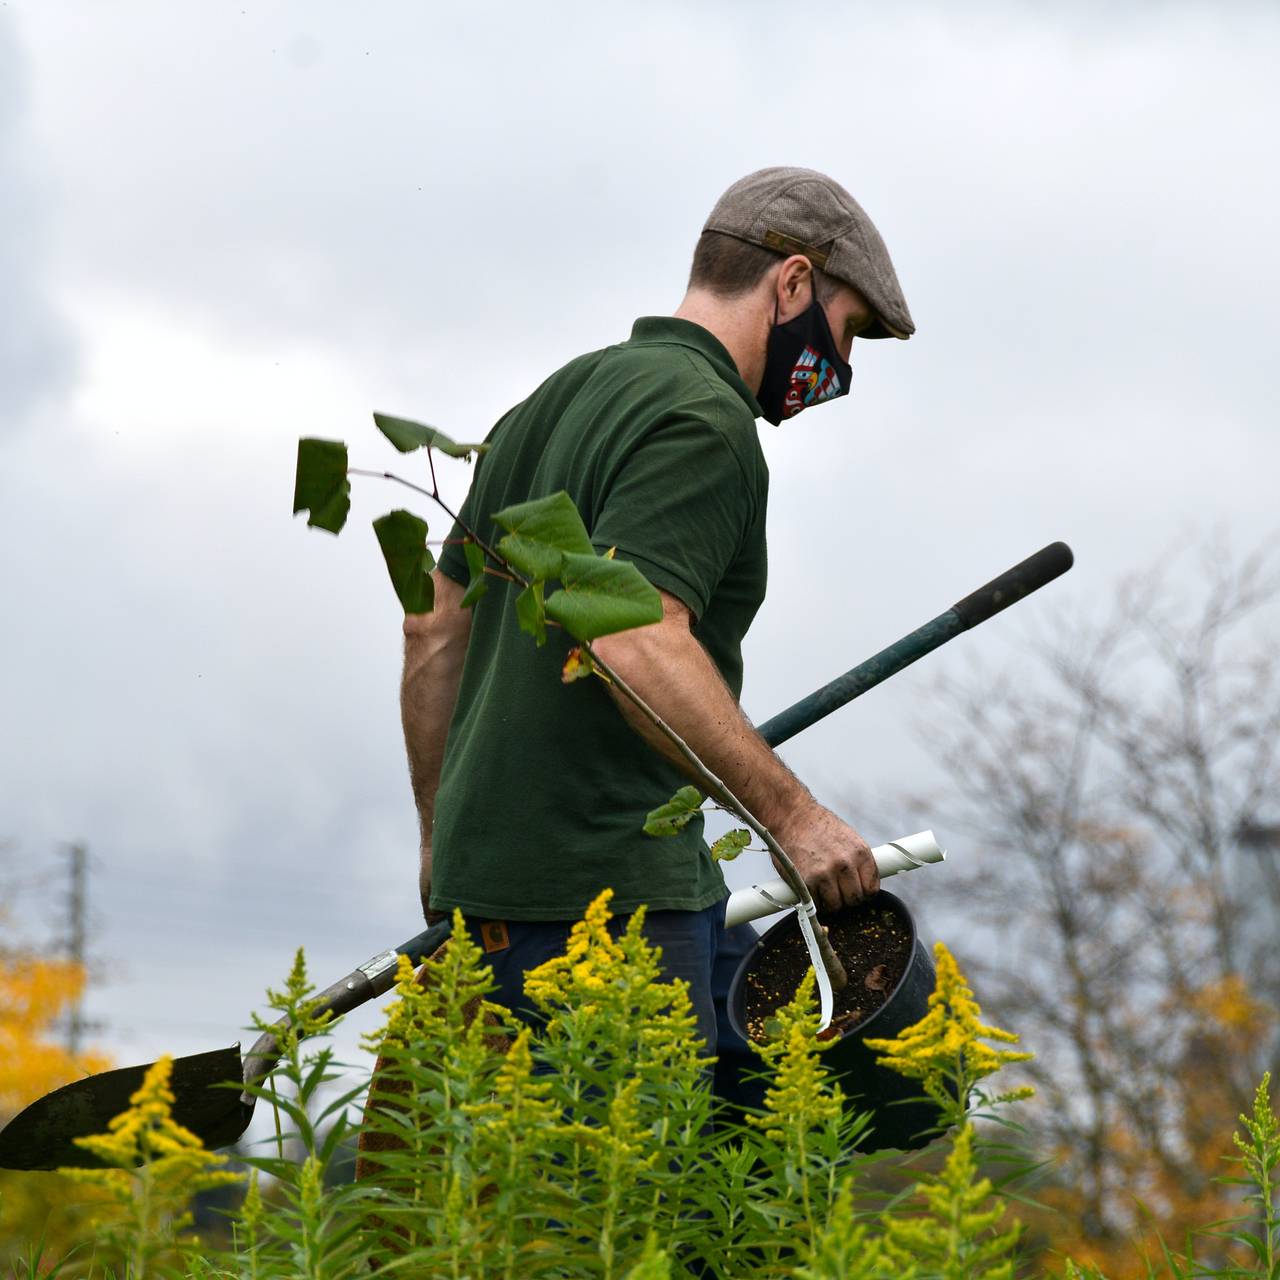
<point>679,508</point>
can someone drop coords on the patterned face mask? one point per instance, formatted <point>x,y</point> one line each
<point>802,366</point>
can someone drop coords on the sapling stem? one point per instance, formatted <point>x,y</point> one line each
<point>434,495</point>
<point>718,789</point>
<point>714,785</point>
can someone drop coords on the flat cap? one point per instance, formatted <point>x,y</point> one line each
<point>803,211</point>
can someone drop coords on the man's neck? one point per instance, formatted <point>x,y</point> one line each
<point>739,323</point>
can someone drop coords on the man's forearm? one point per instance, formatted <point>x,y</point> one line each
<point>435,645</point>
<point>670,670</point>
<point>675,675</point>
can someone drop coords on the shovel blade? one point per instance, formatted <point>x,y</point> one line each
<point>206,1089</point>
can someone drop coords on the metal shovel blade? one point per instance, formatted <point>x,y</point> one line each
<point>206,1089</point>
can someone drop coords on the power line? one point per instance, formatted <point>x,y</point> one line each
<point>77,943</point>
<point>77,909</point>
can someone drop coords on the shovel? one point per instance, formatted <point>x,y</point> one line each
<point>42,1136</point>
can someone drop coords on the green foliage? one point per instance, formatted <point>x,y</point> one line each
<point>540,533</point>
<point>599,596</point>
<point>320,484</point>
<point>846,1249</point>
<point>479,584</point>
<point>730,845</point>
<point>969,1245</point>
<point>677,813</point>
<point>403,539</point>
<point>1088,1271</point>
<point>303,1227</point>
<point>1257,1233</point>
<point>152,1168</point>
<point>546,541</point>
<point>531,612</point>
<point>408,435</point>
<point>579,1148</point>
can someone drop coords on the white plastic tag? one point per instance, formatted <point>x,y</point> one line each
<point>826,996</point>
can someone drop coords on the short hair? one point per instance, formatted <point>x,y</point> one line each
<point>729,267</point>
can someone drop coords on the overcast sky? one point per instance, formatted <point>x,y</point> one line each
<point>227,225</point>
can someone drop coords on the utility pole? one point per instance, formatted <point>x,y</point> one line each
<point>77,914</point>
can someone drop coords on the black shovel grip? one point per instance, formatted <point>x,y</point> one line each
<point>1013,584</point>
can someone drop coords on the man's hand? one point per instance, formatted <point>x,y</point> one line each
<point>832,858</point>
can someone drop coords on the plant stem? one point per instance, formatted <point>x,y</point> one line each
<point>440,502</point>
<point>718,789</point>
<point>839,979</point>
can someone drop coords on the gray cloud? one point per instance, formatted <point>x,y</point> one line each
<point>35,349</point>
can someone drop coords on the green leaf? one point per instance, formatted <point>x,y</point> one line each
<point>408,435</point>
<point>599,597</point>
<point>667,819</point>
<point>531,614</point>
<point>403,539</point>
<point>479,584</point>
<point>730,845</point>
<point>321,485</point>
<point>540,532</point>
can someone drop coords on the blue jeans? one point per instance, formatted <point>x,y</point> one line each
<point>696,947</point>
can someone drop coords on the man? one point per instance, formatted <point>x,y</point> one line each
<point>532,794</point>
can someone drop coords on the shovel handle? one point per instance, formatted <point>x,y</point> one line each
<point>1011,586</point>
<point>362,984</point>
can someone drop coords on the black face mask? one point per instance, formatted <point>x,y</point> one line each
<point>801,366</point>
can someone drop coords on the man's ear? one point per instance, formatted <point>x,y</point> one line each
<point>794,286</point>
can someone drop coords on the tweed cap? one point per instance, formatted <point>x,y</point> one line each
<point>803,211</point>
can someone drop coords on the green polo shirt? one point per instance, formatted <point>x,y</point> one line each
<point>544,788</point>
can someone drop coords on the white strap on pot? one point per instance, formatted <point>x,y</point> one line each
<point>826,996</point>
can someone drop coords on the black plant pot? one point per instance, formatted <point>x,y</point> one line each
<point>900,1116</point>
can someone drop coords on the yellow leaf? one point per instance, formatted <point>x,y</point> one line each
<point>577,665</point>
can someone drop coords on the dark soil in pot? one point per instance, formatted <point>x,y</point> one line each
<point>874,945</point>
<point>891,977</point>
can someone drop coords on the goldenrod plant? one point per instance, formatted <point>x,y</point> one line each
<point>302,1228</point>
<point>945,1050</point>
<point>956,1234</point>
<point>589,1145</point>
<point>1256,1234</point>
<point>153,1166</point>
<point>806,1127</point>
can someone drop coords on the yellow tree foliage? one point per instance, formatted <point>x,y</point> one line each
<point>34,994</point>
<point>1166,1199</point>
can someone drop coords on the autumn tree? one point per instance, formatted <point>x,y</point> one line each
<point>36,989</point>
<point>1117,794</point>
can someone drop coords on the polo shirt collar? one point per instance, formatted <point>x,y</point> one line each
<point>684,333</point>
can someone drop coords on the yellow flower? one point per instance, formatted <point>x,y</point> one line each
<point>445,1004</point>
<point>147,1133</point>
<point>591,951</point>
<point>155,1167</point>
<point>945,1049</point>
<point>800,1098</point>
